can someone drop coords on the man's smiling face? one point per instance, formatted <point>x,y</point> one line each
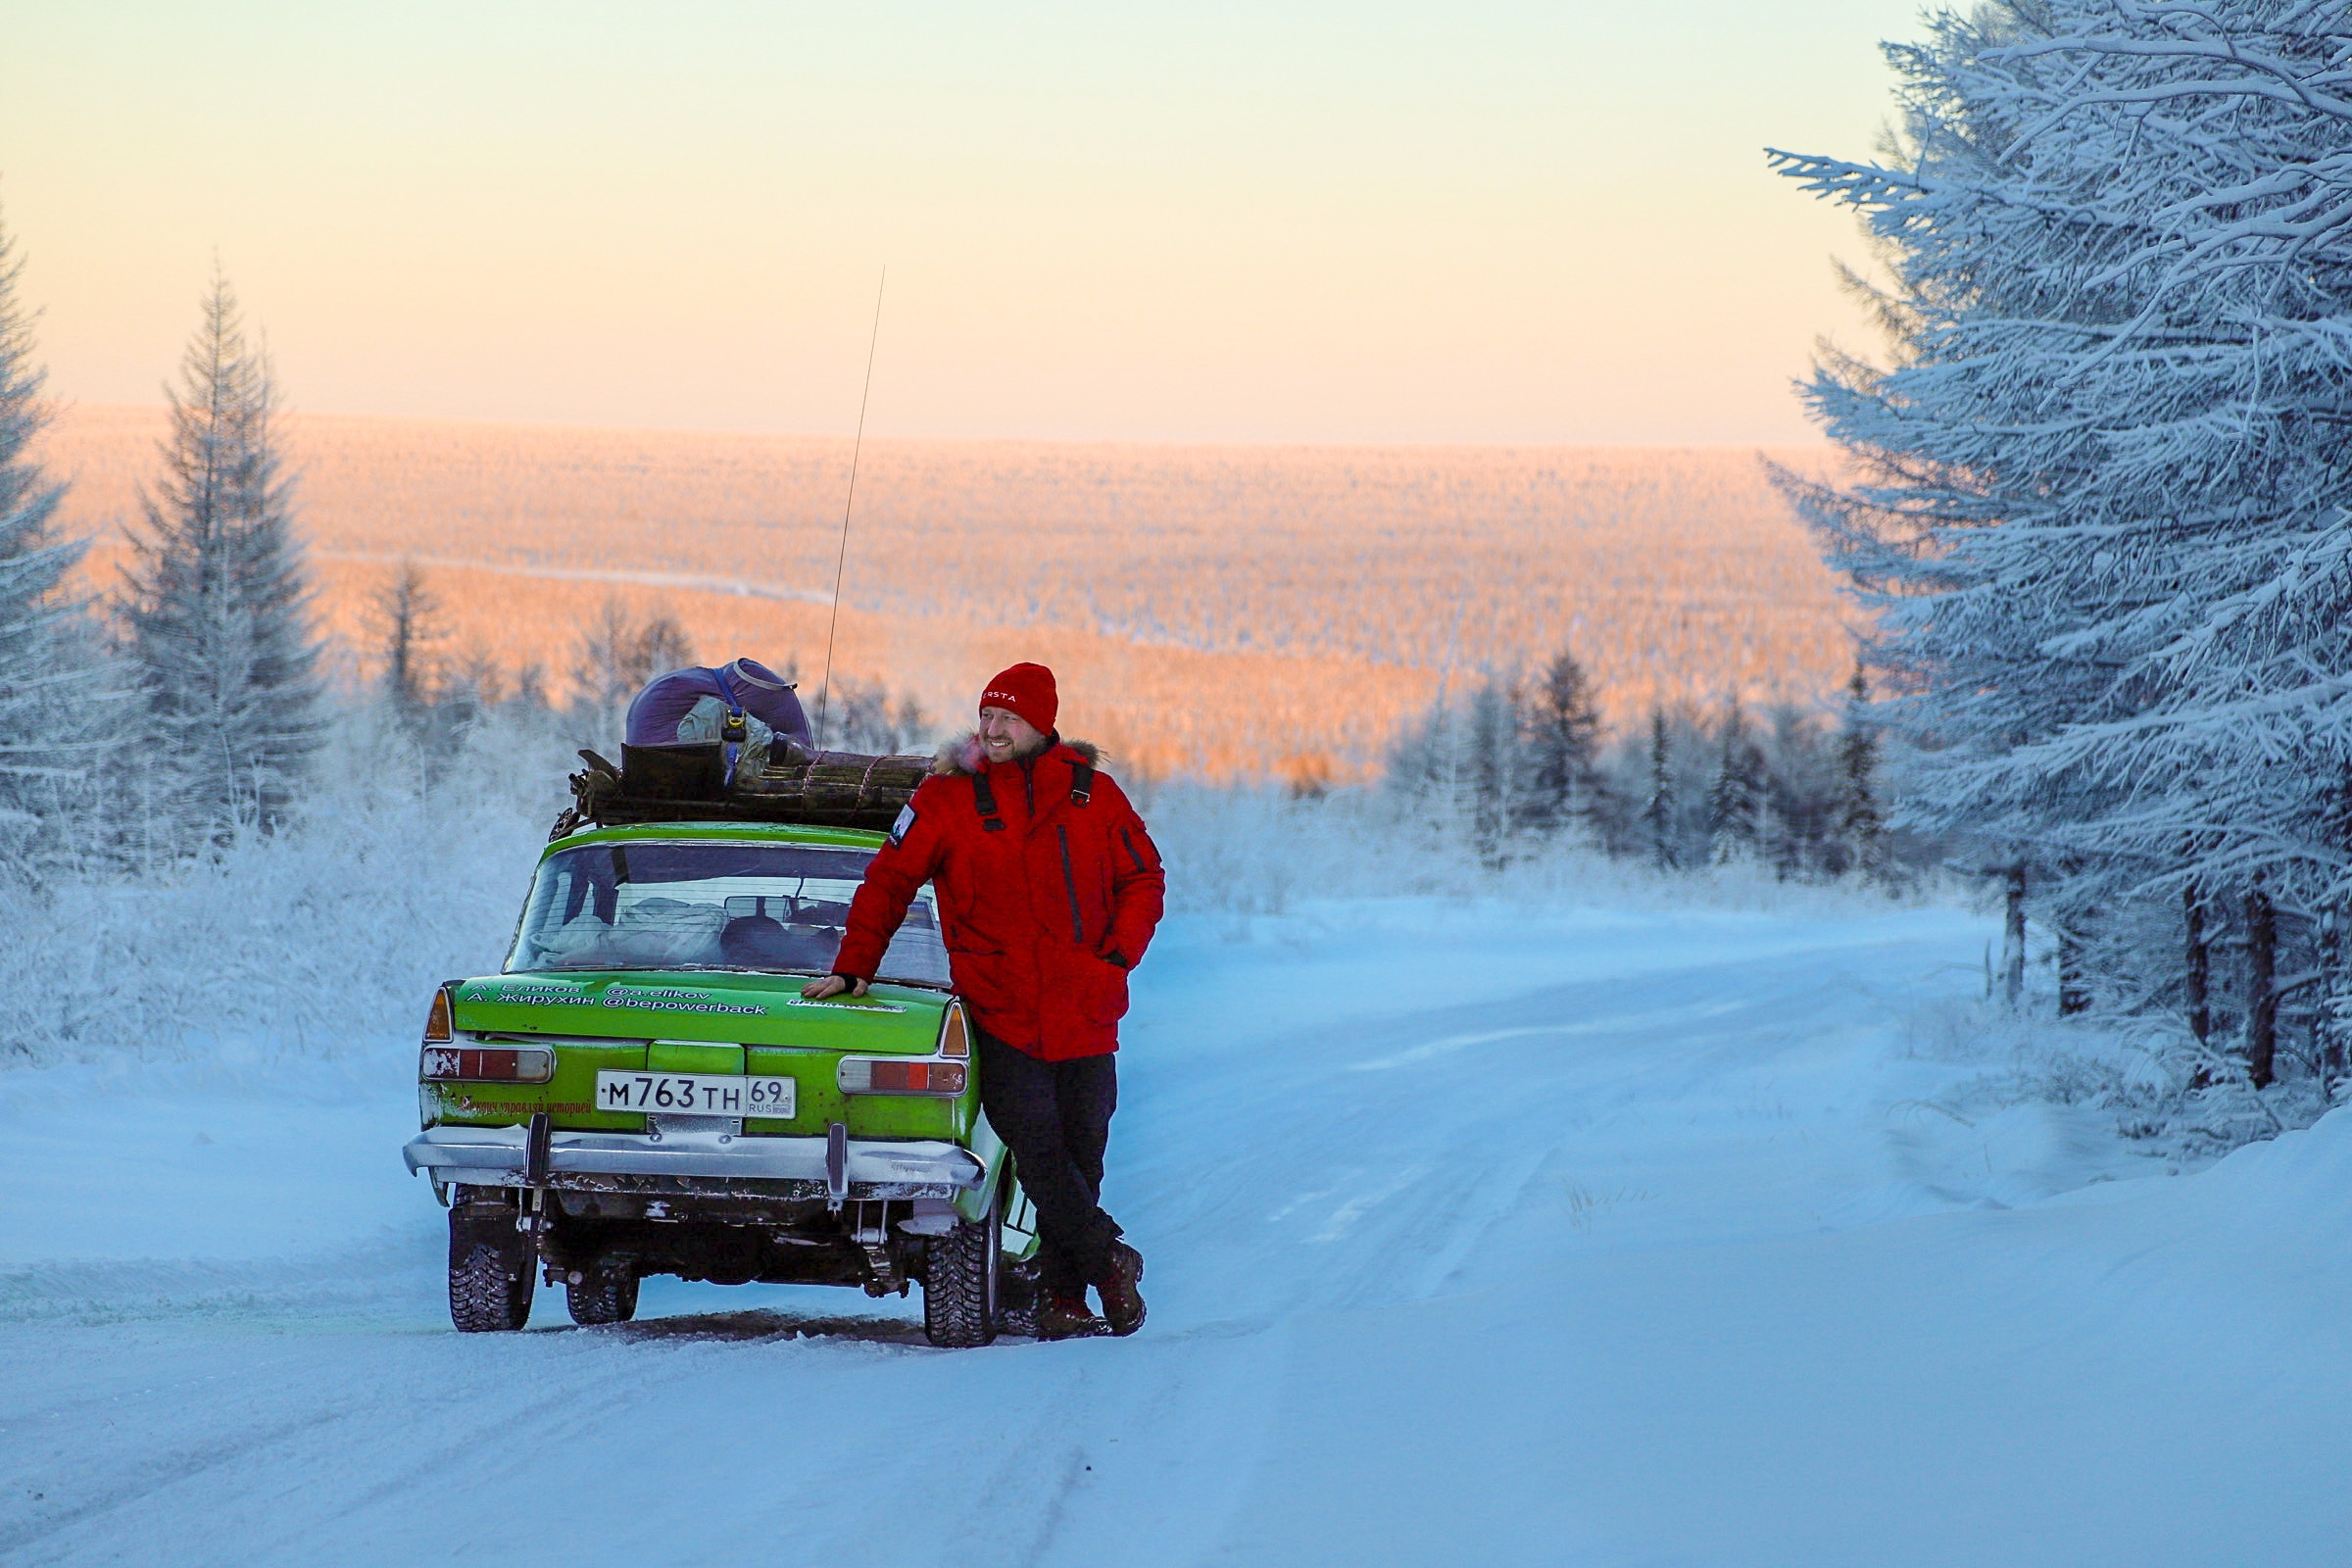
<point>1004,735</point>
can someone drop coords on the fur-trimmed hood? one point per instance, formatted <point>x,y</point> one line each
<point>961,754</point>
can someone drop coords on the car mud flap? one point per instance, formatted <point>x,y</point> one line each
<point>996,1166</point>
<point>536,1162</point>
<point>837,1165</point>
<point>536,1150</point>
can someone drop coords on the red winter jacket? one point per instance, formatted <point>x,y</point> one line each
<point>1045,901</point>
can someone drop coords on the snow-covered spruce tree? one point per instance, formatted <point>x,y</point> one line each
<point>31,559</point>
<point>218,605</point>
<point>1420,772</point>
<point>407,614</point>
<point>1563,741</point>
<point>1737,794</point>
<point>1794,825</point>
<point>1861,827</point>
<point>2100,518</point>
<point>1660,811</point>
<point>1460,773</point>
<point>1495,769</point>
<point>54,686</point>
<point>431,699</point>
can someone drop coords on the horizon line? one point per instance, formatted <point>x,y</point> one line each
<point>60,405</point>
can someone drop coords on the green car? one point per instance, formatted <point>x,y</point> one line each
<point>643,1089</point>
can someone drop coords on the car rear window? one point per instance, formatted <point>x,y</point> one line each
<point>709,904</point>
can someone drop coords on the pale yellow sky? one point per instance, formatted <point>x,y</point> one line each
<point>1325,223</point>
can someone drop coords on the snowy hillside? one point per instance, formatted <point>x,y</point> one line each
<point>1477,1234</point>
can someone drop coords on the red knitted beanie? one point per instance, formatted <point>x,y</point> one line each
<point>1027,692</point>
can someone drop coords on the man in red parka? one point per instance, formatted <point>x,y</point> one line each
<point>1049,891</point>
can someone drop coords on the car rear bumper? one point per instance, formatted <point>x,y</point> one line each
<point>494,1156</point>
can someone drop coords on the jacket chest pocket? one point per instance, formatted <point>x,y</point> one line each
<point>990,874</point>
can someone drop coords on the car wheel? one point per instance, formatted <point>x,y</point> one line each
<point>959,1284</point>
<point>602,1296</point>
<point>487,1291</point>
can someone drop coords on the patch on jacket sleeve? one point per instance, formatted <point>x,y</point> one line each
<point>903,826</point>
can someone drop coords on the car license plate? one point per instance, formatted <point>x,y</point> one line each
<point>694,1094</point>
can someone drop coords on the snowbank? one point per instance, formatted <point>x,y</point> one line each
<point>1261,850</point>
<point>332,935</point>
<point>310,942</point>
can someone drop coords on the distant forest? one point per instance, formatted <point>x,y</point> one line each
<point>1214,611</point>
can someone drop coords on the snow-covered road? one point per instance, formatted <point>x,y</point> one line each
<point>1475,1236</point>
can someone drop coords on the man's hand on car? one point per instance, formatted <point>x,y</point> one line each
<point>832,985</point>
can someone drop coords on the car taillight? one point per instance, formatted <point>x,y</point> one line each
<point>512,1064</point>
<point>883,1075</point>
<point>438,1029</point>
<point>955,1038</point>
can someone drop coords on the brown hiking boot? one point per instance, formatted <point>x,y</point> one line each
<point>1122,1302</point>
<point>1067,1317</point>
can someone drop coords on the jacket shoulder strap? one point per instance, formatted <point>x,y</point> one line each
<point>1082,782</point>
<point>984,796</point>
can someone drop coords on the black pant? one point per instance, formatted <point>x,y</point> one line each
<point>1055,1118</point>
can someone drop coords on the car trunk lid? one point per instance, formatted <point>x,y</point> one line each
<point>731,1011</point>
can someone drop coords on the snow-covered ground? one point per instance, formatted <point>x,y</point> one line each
<point>1478,1234</point>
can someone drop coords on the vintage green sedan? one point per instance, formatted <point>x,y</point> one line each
<point>643,1089</point>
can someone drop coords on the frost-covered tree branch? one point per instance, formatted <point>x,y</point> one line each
<point>53,685</point>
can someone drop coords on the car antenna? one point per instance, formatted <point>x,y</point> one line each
<point>824,695</point>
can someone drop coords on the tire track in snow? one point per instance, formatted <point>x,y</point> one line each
<point>134,1481</point>
<point>1474,1099</point>
<point>1273,1178</point>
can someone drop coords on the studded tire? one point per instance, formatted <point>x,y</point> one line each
<point>603,1295</point>
<point>959,1284</point>
<point>487,1293</point>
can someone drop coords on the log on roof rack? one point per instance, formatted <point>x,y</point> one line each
<point>688,783</point>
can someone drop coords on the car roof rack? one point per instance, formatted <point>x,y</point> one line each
<point>689,782</point>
